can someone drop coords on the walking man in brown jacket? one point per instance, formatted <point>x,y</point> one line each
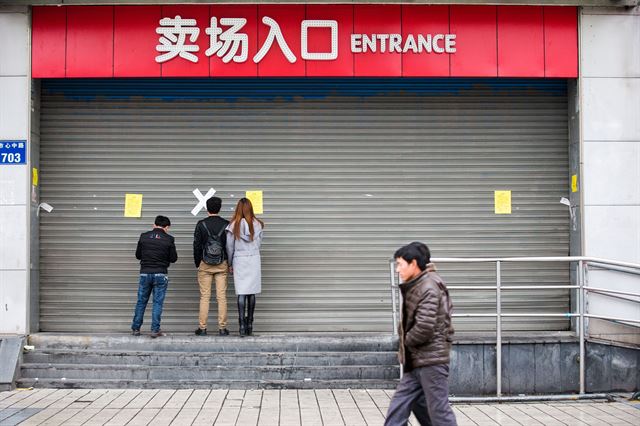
<point>425,342</point>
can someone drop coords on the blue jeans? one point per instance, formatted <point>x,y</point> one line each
<point>158,284</point>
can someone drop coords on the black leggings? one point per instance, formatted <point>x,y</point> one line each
<point>248,300</point>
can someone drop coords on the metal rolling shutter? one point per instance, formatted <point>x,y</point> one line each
<point>350,169</point>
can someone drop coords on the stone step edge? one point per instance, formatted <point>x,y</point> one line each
<point>206,384</point>
<point>116,352</point>
<point>292,343</point>
<point>62,367</point>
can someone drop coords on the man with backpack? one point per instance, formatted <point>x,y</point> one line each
<point>210,257</point>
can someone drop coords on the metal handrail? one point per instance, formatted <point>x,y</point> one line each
<point>583,261</point>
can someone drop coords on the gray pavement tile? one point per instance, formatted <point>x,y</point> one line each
<point>554,412</point>
<point>61,417</point>
<point>92,395</point>
<point>539,413</point>
<point>339,407</point>
<point>160,398</point>
<point>186,416</point>
<point>497,415</point>
<point>578,415</point>
<point>289,407</point>
<point>69,398</point>
<point>309,408</point>
<point>230,410</point>
<point>478,416</point>
<point>102,417</point>
<point>35,396</point>
<point>15,397</point>
<point>206,417</point>
<point>41,416</point>
<point>352,417</point>
<point>348,407</point>
<point>144,417</point>
<point>50,398</point>
<point>462,418</point>
<point>368,408</point>
<point>329,409</point>
<point>270,408</point>
<point>165,416</point>
<point>124,398</point>
<point>142,399</point>
<point>8,412</point>
<point>615,411</point>
<point>248,416</point>
<point>6,394</point>
<point>123,417</point>
<point>20,416</point>
<point>105,399</point>
<point>599,414</point>
<point>250,410</point>
<point>82,416</point>
<point>179,398</point>
<point>215,399</point>
<point>197,398</point>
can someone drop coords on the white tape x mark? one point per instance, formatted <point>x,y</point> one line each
<point>202,200</point>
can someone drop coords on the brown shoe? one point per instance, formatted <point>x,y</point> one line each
<point>157,333</point>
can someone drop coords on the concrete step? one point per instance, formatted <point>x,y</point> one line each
<point>212,373</point>
<point>282,361</point>
<point>205,384</point>
<point>190,343</point>
<point>195,359</point>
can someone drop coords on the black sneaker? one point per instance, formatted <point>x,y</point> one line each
<point>135,332</point>
<point>201,332</point>
<point>223,332</point>
<point>157,333</point>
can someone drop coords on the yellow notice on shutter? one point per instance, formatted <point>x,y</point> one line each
<point>574,183</point>
<point>502,202</point>
<point>133,205</point>
<point>34,176</point>
<point>256,201</point>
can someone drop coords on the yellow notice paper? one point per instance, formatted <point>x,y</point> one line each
<point>502,202</point>
<point>34,176</point>
<point>256,201</point>
<point>133,205</point>
<point>574,183</point>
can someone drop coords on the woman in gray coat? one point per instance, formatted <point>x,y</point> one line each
<point>244,236</point>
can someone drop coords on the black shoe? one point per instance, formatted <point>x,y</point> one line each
<point>157,333</point>
<point>201,332</point>
<point>243,328</point>
<point>249,323</point>
<point>135,332</point>
<point>223,332</point>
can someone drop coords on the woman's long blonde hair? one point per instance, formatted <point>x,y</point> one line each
<point>244,210</point>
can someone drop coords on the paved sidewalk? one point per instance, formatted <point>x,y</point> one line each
<point>275,407</point>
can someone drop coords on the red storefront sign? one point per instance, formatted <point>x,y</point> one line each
<point>304,40</point>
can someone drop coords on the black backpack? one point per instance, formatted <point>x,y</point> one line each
<point>213,251</point>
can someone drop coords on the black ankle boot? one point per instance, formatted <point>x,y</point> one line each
<point>249,322</point>
<point>243,327</point>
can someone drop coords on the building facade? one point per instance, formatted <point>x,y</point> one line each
<point>361,127</point>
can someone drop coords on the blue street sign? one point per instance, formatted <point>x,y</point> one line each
<point>13,152</point>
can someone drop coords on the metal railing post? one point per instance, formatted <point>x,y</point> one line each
<point>394,300</point>
<point>498,332</point>
<point>581,309</point>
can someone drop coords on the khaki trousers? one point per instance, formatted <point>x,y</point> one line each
<point>206,275</point>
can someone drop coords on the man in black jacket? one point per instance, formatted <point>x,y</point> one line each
<point>425,342</point>
<point>156,251</point>
<point>212,226</point>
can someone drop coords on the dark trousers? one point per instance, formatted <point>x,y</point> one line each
<point>425,391</point>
